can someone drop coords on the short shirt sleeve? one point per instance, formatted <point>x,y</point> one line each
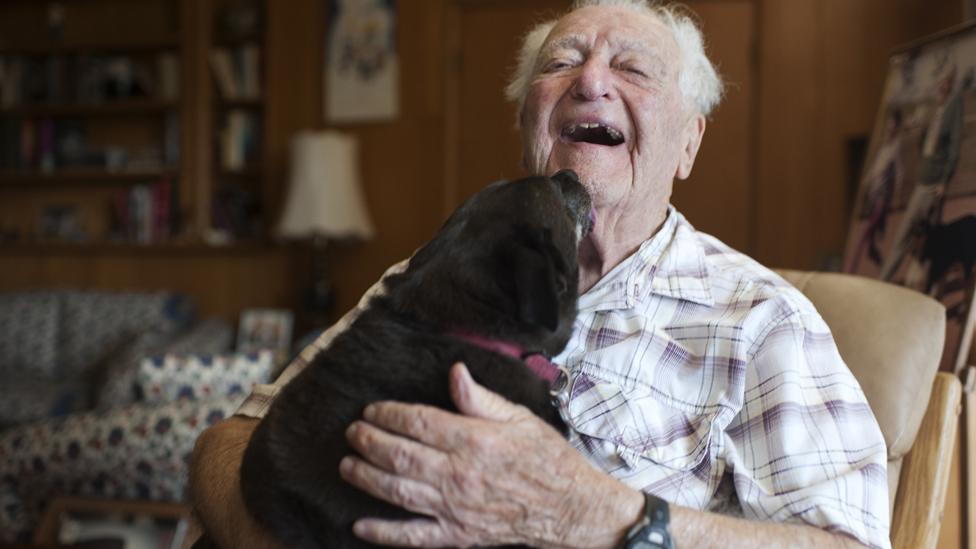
<point>260,399</point>
<point>805,447</point>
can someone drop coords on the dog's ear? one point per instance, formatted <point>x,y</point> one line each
<point>537,287</point>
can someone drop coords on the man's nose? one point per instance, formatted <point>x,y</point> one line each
<point>592,81</point>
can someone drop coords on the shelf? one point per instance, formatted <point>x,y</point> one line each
<point>245,173</point>
<point>106,47</point>
<point>106,108</point>
<point>175,247</point>
<point>240,103</point>
<point>233,41</point>
<point>78,177</point>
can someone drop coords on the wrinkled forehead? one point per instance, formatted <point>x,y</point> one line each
<point>619,28</point>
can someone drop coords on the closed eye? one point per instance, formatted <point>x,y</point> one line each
<point>554,66</point>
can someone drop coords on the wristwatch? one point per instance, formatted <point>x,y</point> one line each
<point>651,532</point>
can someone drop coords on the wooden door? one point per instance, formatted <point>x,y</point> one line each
<point>483,145</point>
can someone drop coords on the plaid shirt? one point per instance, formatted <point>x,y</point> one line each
<point>704,378</point>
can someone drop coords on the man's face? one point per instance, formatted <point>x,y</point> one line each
<point>605,102</point>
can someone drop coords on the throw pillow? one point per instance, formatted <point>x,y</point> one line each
<point>117,385</point>
<point>196,377</point>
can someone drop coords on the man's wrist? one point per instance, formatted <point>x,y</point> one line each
<point>628,511</point>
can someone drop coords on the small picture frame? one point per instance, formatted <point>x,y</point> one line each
<point>265,329</point>
<point>104,523</point>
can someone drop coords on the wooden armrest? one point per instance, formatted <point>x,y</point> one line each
<point>925,472</point>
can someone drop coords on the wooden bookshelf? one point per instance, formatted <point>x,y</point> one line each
<point>92,109</point>
<point>54,48</point>
<point>79,177</point>
<point>173,248</point>
<point>137,129</point>
<point>230,97</point>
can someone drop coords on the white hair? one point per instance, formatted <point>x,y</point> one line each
<point>698,80</point>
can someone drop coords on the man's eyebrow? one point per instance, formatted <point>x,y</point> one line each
<point>570,41</point>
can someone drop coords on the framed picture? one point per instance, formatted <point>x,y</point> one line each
<point>914,219</point>
<point>362,68</point>
<point>265,329</point>
<point>102,523</point>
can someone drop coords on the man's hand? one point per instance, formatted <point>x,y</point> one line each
<point>215,485</point>
<point>495,475</point>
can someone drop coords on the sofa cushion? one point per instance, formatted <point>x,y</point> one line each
<point>195,377</point>
<point>117,380</point>
<point>95,323</point>
<point>29,398</point>
<point>29,334</point>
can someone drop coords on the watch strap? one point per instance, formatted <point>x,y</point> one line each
<point>651,532</point>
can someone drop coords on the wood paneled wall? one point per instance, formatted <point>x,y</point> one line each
<point>821,66</point>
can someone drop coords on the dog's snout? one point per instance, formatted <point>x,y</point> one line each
<point>576,199</point>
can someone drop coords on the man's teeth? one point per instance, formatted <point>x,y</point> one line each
<point>613,133</point>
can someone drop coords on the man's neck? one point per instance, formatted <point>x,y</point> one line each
<point>613,240</point>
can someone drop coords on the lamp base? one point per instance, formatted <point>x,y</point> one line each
<point>320,298</point>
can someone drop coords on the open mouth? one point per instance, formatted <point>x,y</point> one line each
<point>595,133</point>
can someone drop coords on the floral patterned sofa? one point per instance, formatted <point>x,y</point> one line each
<point>103,394</point>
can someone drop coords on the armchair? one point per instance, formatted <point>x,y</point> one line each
<point>891,338</point>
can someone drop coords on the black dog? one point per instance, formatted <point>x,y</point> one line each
<point>946,245</point>
<point>502,268</point>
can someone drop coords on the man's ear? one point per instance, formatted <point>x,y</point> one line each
<point>537,287</point>
<point>692,137</point>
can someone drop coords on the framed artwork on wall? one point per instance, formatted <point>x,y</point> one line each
<point>914,219</point>
<point>362,72</point>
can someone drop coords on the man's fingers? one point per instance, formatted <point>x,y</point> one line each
<point>474,400</point>
<point>410,494</point>
<point>408,533</point>
<point>395,454</point>
<point>432,426</point>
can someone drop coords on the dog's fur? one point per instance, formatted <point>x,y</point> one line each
<point>503,267</point>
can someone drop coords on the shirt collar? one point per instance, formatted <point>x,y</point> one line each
<point>671,264</point>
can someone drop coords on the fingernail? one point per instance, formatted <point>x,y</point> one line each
<point>351,430</point>
<point>370,412</point>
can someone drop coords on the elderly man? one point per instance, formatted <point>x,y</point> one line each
<point>708,403</point>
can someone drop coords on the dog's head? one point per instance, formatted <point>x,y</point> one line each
<point>503,265</point>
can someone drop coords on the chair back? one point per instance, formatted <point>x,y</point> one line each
<point>891,338</point>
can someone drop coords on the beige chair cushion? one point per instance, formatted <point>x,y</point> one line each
<point>891,339</point>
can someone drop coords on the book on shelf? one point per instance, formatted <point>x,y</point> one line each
<point>145,214</point>
<point>49,144</point>
<point>238,140</point>
<point>168,87</point>
<point>86,78</point>
<point>237,72</point>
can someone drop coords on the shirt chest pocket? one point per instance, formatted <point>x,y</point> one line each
<point>637,424</point>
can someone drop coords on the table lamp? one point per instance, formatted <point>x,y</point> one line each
<point>324,201</point>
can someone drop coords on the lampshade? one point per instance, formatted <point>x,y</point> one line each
<point>324,194</point>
